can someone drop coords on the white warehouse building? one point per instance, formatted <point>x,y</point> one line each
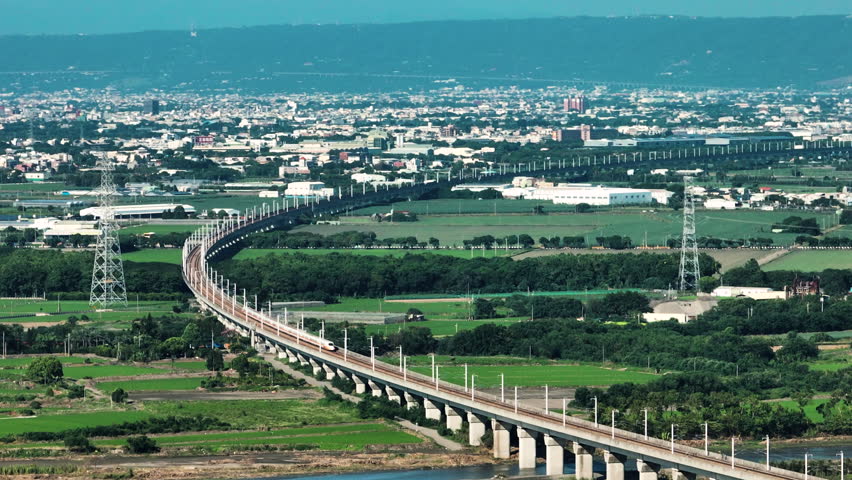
<point>137,211</point>
<point>592,195</point>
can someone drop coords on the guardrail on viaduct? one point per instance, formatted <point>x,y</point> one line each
<point>506,417</point>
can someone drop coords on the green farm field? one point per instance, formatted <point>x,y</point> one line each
<point>454,309</point>
<point>488,376</point>
<point>161,255</point>
<point>23,362</point>
<point>658,225</point>
<point>161,384</point>
<point>812,260</point>
<point>58,423</point>
<point>331,437</point>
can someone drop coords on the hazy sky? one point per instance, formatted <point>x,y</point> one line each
<point>109,16</point>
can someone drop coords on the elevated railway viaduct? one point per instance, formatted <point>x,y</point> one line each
<point>505,418</point>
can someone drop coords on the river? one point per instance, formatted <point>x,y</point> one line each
<point>483,472</point>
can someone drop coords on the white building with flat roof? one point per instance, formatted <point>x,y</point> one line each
<point>138,211</point>
<point>592,195</point>
<point>308,189</point>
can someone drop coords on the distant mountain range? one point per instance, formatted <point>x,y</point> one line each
<point>726,52</point>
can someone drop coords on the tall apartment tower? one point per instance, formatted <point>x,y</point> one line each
<point>151,107</point>
<point>575,104</point>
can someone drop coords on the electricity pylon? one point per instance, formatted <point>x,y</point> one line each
<point>108,272</point>
<point>689,269</point>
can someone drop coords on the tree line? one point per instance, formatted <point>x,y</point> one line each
<point>326,277</point>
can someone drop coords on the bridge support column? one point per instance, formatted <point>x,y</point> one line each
<point>291,357</point>
<point>647,471</point>
<point>433,412</point>
<point>281,352</point>
<point>555,448</point>
<point>375,388</point>
<point>454,420</point>
<point>302,359</point>
<point>315,366</point>
<point>392,395</point>
<point>583,461</point>
<point>677,474</point>
<point>342,374</point>
<point>410,401</point>
<point>476,430</point>
<point>360,386</point>
<point>526,448</point>
<point>501,439</point>
<point>614,466</point>
<point>329,372</point>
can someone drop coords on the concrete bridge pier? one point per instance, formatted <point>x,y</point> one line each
<point>291,357</point>
<point>678,474</point>
<point>315,366</point>
<point>647,471</point>
<point>433,410</point>
<point>282,352</point>
<point>526,449</point>
<point>555,450</point>
<point>614,466</point>
<point>393,395</point>
<point>476,429</point>
<point>410,401</point>
<point>502,438</point>
<point>375,389</point>
<point>329,372</point>
<point>454,418</point>
<point>342,374</point>
<point>360,386</point>
<point>302,359</point>
<point>583,461</point>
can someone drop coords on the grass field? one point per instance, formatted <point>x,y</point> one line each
<point>810,409</point>
<point>331,437</point>
<point>162,255</point>
<point>99,371</point>
<point>13,311</point>
<point>539,375</point>
<point>658,225</point>
<point>248,414</point>
<point>248,254</point>
<point>812,260</point>
<point>456,309</point>
<point>58,423</point>
<point>162,384</point>
<point>23,362</point>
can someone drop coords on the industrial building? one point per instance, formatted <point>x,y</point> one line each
<point>308,189</point>
<point>138,211</point>
<point>592,195</point>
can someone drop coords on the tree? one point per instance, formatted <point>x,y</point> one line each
<point>797,349</point>
<point>141,444</point>
<point>76,442</point>
<point>119,395</point>
<point>192,335</point>
<point>45,370</point>
<point>214,360</point>
<point>483,308</point>
<point>582,207</point>
<point>846,216</point>
<point>173,347</point>
<point>708,284</point>
<point>241,364</point>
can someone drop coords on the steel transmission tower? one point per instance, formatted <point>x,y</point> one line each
<point>689,270</point>
<point>108,272</point>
